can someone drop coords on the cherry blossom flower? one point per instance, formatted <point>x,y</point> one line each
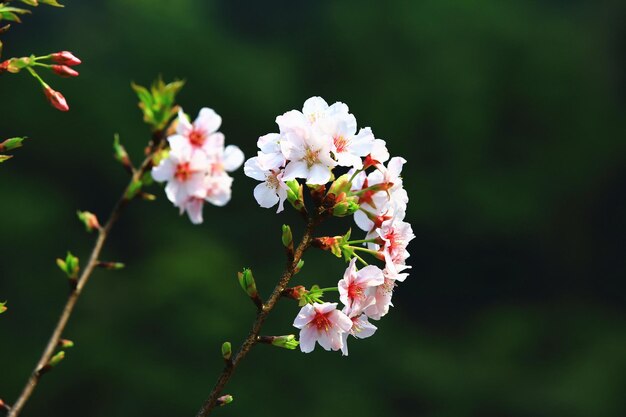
<point>321,323</point>
<point>184,172</point>
<point>361,328</point>
<point>396,235</point>
<point>382,296</point>
<point>309,156</point>
<point>273,189</point>
<point>354,287</point>
<point>201,134</point>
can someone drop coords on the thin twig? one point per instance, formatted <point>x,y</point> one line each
<point>211,402</point>
<point>103,234</point>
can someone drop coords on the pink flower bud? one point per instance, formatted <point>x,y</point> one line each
<point>65,58</point>
<point>64,71</point>
<point>4,66</point>
<point>56,99</point>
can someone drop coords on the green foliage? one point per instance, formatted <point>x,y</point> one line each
<point>70,266</point>
<point>158,102</point>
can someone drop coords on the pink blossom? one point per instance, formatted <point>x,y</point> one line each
<point>184,172</point>
<point>382,296</point>
<point>201,134</point>
<point>272,190</point>
<point>354,288</point>
<point>321,323</point>
<point>361,328</point>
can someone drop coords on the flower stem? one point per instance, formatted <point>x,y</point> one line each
<point>212,401</point>
<point>103,234</point>
<point>375,240</point>
<point>329,289</point>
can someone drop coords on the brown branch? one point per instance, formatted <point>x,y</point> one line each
<point>230,367</point>
<point>103,234</point>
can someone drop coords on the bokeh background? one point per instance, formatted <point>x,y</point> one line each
<point>512,118</point>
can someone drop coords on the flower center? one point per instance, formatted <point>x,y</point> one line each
<point>272,180</point>
<point>197,137</point>
<point>183,172</point>
<point>311,157</point>
<point>355,291</point>
<point>321,321</point>
<point>341,143</point>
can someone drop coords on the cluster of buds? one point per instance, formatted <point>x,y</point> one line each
<point>344,169</point>
<point>197,164</point>
<point>60,63</point>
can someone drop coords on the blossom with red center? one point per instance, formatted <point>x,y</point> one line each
<point>201,134</point>
<point>321,323</point>
<point>184,172</point>
<point>361,327</point>
<point>354,288</point>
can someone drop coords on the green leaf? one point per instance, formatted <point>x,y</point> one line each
<point>11,143</point>
<point>5,158</point>
<point>158,103</point>
<point>33,3</point>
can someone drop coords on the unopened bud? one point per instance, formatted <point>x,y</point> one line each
<point>55,98</point>
<point>287,238</point>
<point>112,266</point>
<point>224,399</point>
<point>286,342</point>
<point>246,280</point>
<point>340,185</point>
<point>4,66</point>
<point>345,206</point>
<point>64,71</point>
<point>89,220</point>
<point>294,292</point>
<point>299,266</point>
<point>65,58</point>
<point>295,194</point>
<point>65,343</point>
<point>227,351</point>
<point>56,359</point>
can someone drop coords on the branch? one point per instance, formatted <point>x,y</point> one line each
<point>252,338</point>
<point>156,145</point>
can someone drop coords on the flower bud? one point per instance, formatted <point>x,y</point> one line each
<point>299,266</point>
<point>340,185</point>
<point>4,66</point>
<point>224,399</point>
<point>65,343</point>
<point>286,342</point>
<point>345,206</point>
<point>226,351</point>
<point>295,194</point>
<point>120,154</point>
<point>287,237</point>
<point>55,98</point>
<point>3,307</point>
<point>294,293</point>
<point>329,243</point>
<point>56,359</point>
<point>64,71</point>
<point>246,280</point>
<point>89,220</point>
<point>112,266</point>
<point>65,58</point>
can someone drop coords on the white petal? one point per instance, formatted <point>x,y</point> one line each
<point>305,315</point>
<point>314,107</point>
<point>194,210</point>
<point>265,195</point>
<point>269,143</point>
<point>178,141</point>
<point>308,336</point>
<point>253,170</point>
<point>208,121</point>
<point>296,169</point>
<point>184,125</point>
<point>318,174</point>
<point>233,158</point>
<point>164,171</point>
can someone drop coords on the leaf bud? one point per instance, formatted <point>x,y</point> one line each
<point>89,220</point>
<point>227,351</point>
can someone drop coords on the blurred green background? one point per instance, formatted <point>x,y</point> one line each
<point>511,116</point>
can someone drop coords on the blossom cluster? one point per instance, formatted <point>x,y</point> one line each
<point>320,145</point>
<point>197,164</point>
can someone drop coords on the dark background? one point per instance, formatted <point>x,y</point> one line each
<point>511,117</point>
